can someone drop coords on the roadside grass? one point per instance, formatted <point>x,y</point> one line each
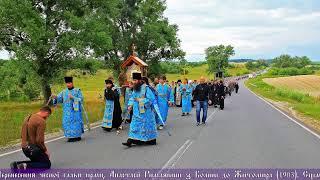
<point>12,114</point>
<point>301,102</point>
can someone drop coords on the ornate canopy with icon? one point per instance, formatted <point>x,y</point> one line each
<point>134,64</point>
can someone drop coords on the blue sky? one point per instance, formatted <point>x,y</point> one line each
<point>256,28</point>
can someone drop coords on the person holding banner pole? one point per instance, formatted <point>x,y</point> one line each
<point>72,100</point>
<point>165,99</point>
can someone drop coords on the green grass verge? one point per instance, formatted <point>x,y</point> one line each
<point>300,102</point>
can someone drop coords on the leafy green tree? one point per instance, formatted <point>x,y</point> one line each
<point>261,63</point>
<point>50,33</point>
<point>282,61</point>
<point>250,65</point>
<point>17,82</point>
<point>254,65</point>
<point>2,62</point>
<point>285,61</point>
<point>143,23</point>
<point>217,57</point>
<point>301,62</point>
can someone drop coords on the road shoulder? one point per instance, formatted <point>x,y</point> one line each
<point>285,107</point>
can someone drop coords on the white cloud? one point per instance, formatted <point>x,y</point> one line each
<point>250,26</point>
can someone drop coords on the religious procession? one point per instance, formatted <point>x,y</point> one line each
<point>165,89</point>
<point>145,108</point>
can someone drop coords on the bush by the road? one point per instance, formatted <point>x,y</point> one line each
<point>285,61</point>
<point>256,65</point>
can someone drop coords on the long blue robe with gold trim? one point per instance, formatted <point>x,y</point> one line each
<point>164,97</point>
<point>143,125</point>
<point>112,114</point>
<point>108,114</point>
<point>72,122</point>
<point>186,98</point>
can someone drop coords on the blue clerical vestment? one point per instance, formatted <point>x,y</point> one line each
<point>108,114</point>
<point>143,125</point>
<point>72,122</point>
<point>164,97</point>
<point>186,92</point>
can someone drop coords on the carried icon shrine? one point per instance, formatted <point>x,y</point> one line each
<point>134,64</point>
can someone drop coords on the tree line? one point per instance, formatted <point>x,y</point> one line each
<point>43,37</point>
<point>18,83</point>
<point>257,65</point>
<point>286,65</point>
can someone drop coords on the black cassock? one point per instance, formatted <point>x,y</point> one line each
<point>221,95</point>
<point>237,87</point>
<point>213,94</point>
<point>113,95</point>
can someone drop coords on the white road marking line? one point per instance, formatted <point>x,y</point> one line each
<point>177,156</point>
<point>179,153</point>
<point>51,140</point>
<point>174,163</point>
<point>293,120</point>
<point>11,152</point>
<point>214,111</point>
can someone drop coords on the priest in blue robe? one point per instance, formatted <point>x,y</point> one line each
<point>186,93</point>
<point>165,99</point>
<point>143,128</point>
<point>71,99</point>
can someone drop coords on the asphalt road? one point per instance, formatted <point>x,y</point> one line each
<point>247,134</point>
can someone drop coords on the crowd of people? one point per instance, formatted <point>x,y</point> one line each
<point>145,109</point>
